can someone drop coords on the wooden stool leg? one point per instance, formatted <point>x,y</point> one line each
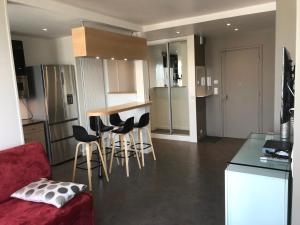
<point>88,158</point>
<point>75,161</point>
<point>150,140</point>
<point>126,155</point>
<point>112,153</point>
<point>121,148</point>
<point>103,151</point>
<point>135,150</point>
<point>102,160</point>
<point>112,142</point>
<point>141,146</point>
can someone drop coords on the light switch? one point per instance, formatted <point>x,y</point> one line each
<point>216,91</point>
<point>208,81</point>
<point>202,81</point>
<point>216,82</point>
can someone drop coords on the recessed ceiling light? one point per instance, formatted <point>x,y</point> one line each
<point>97,57</point>
<point>228,24</point>
<point>125,59</point>
<point>177,32</point>
<point>236,29</point>
<point>112,58</point>
<point>45,29</point>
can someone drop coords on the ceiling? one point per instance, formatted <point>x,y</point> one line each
<point>145,12</point>
<point>28,20</point>
<point>247,23</point>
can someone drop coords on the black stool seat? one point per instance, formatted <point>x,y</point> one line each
<point>128,126</point>
<point>102,126</point>
<point>115,120</point>
<point>143,122</point>
<point>82,135</point>
<point>106,129</point>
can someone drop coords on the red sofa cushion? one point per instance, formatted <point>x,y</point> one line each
<point>78,211</point>
<point>20,166</point>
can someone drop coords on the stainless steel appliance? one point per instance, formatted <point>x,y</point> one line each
<point>54,99</point>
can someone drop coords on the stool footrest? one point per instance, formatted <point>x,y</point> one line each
<point>118,142</point>
<point>145,146</point>
<point>78,166</point>
<point>117,155</point>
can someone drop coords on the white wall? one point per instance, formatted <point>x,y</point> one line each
<point>46,51</point>
<point>11,133</point>
<point>90,87</point>
<point>37,50</point>
<point>265,38</point>
<point>64,50</point>
<point>192,88</point>
<point>285,36</point>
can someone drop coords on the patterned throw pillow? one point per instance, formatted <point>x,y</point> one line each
<point>49,192</point>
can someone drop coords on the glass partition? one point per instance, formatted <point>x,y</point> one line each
<point>179,87</point>
<point>168,88</point>
<point>159,88</point>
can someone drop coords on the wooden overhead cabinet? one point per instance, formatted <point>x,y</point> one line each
<point>90,42</point>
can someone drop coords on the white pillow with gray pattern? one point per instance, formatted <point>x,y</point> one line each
<point>49,192</point>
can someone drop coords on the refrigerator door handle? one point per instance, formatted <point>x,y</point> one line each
<point>62,78</point>
<point>46,93</point>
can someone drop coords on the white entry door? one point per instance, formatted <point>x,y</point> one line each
<point>241,102</point>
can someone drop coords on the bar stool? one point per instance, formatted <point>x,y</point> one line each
<point>100,130</point>
<point>84,138</point>
<point>143,123</point>
<point>115,120</point>
<point>122,132</point>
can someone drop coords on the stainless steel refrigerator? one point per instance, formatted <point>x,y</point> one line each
<point>53,98</point>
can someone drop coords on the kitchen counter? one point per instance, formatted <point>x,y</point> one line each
<point>31,122</point>
<point>118,108</point>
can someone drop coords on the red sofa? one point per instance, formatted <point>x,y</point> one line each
<point>20,166</point>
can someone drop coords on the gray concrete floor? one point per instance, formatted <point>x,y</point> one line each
<point>185,186</point>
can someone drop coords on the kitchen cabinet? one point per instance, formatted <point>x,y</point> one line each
<point>34,131</point>
<point>90,42</point>
<point>121,76</point>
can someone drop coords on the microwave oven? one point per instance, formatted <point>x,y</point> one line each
<point>23,89</point>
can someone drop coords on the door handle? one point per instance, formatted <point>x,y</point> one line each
<point>225,98</point>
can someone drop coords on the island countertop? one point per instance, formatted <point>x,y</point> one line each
<point>117,108</point>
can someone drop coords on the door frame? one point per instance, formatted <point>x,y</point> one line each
<point>259,47</point>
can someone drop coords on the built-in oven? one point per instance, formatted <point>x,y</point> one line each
<point>22,83</point>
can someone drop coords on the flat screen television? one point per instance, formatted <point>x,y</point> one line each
<point>287,94</point>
